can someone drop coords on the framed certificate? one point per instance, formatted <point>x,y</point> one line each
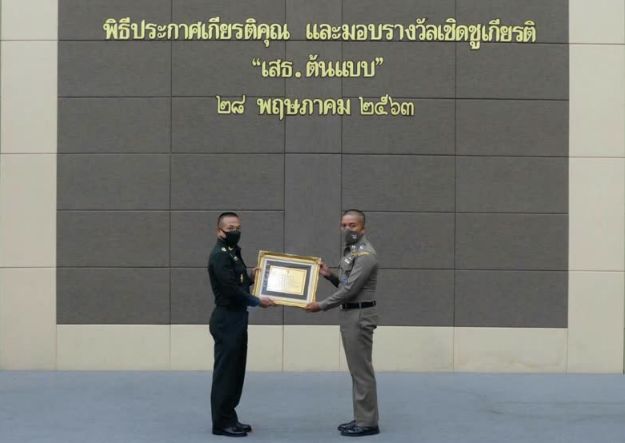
<point>287,279</point>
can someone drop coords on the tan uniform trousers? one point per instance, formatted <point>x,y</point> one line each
<point>357,326</point>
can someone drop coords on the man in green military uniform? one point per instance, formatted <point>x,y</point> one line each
<point>356,283</point>
<point>228,325</point>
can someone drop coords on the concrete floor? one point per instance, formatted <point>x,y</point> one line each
<point>173,407</point>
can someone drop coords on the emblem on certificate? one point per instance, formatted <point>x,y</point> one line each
<point>287,279</point>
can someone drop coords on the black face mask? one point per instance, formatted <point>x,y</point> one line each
<point>350,237</point>
<point>232,238</point>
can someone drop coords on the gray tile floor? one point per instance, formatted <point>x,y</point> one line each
<point>129,407</point>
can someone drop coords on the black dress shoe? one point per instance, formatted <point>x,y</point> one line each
<point>344,426</point>
<point>360,431</point>
<point>244,427</point>
<point>231,431</point>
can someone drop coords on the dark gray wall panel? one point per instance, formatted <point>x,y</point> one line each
<point>430,131</point>
<point>397,11</point>
<point>517,71</point>
<point>512,241</point>
<point>415,298</point>
<point>298,53</point>
<point>300,12</point>
<point>197,127</point>
<point>114,68</point>
<point>313,205</point>
<point>83,19</point>
<point>227,182</point>
<point>412,240</point>
<point>121,125</point>
<point>398,183</point>
<point>120,238</point>
<point>193,235</point>
<point>321,134</point>
<point>192,300</point>
<point>536,299</point>
<point>113,296</point>
<point>551,16</point>
<point>512,184</point>
<point>264,11</point>
<point>424,70</point>
<point>224,69</point>
<point>113,181</point>
<point>513,127</point>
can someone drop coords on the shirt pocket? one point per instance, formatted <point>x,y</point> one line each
<point>346,266</point>
<point>239,270</point>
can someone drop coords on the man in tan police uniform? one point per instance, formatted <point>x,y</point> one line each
<point>355,295</point>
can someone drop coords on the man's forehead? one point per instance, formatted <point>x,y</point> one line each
<point>351,218</point>
<point>230,220</point>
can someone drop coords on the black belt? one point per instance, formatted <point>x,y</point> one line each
<point>362,304</point>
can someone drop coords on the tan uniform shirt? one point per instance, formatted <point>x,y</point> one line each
<point>358,275</point>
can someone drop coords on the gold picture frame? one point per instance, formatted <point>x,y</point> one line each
<point>287,279</point>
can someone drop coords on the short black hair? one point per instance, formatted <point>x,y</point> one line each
<point>356,212</point>
<point>224,215</point>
